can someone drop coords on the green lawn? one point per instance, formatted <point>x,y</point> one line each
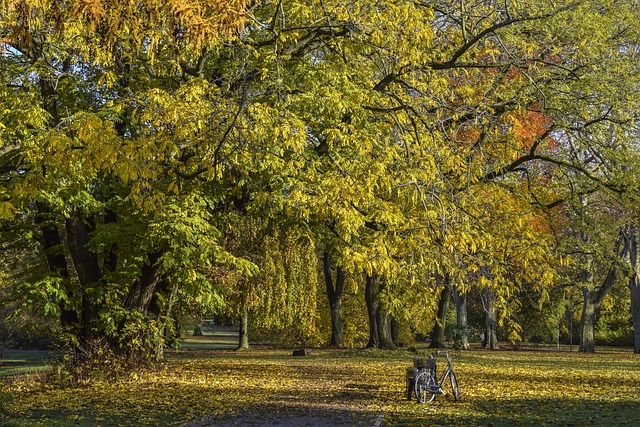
<point>501,388</point>
<point>20,362</point>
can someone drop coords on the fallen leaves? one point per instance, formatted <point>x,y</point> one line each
<point>498,388</point>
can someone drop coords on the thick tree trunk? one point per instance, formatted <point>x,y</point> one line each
<point>587,322</point>
<point>491,320</point>
<point>634,285</point>
<point>462,338</point>
<point>395,332</point>
<point>593,297</point>
<point>635,312</point>
<point>243,333</point>
<point>385,335</point>
<point>88,269</point>
<point>334,294</point>
<point>142,291</point>
<point>437,334</point>
<point>380,328</point>
<point>371,296</point>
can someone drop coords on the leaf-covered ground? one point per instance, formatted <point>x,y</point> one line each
<point>204,387</point>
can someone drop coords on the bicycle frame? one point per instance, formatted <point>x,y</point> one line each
<point>427,383</point>
<point>445,374</point>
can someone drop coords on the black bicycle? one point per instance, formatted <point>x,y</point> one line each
<point>427,384</point>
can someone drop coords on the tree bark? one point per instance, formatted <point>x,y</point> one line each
<point>88,269</point>
<point>371,296</point>
<point>142,291</point>
<point>462,339</point>
<point>592,298</point>
<point>243,333</point>
<point>491,320</point>
<point>634,285</point>
<point>385,334</point>
<point>437,334</point>
<point>334,294</point>
<point>635,311</point>
<point>395,332</point>
<point>380,321</point>
<point>587,322</point>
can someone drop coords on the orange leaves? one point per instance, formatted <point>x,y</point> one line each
<point>143,25</point>
<point>528,127</point>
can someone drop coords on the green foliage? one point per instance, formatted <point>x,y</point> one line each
<point>416,140</point>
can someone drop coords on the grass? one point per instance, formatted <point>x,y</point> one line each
<point>21,362</point>
<point>501,388</point>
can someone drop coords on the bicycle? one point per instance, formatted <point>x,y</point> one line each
<point>427,385</point>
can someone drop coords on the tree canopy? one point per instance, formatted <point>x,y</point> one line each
<point>149,146</point>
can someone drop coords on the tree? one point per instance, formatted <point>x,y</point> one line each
<point>437,335</point>
<point>462,338</point>
<point>73,149</point>
<point>335,289</point>
<point>634,288</point>
<point>416,140</point>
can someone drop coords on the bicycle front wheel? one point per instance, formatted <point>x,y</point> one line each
<point>455,390</point>
<point>421,387</point>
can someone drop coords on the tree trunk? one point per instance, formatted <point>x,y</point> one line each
<point>592,298</point>
<point>142,291</point>
<point>395,332</point>
<point>462,338</point>
<point>385,335</point>
<point>88,269</point>
<point>371,296</point>
<point>380,325</point>
<point>587,322</point>
<point>334,294</point>
<point>437,335</point>
<point>243,334</point>
<point>635,311</point>
<point>634,285</point>
<point>491,320</point>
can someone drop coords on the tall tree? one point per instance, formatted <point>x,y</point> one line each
<point>632,239</point>
<point>335,290</point>
<point>76,164</point>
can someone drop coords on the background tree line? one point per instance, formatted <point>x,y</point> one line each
<point>208,156</point>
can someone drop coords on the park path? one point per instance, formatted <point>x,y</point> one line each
<point>310,409</point>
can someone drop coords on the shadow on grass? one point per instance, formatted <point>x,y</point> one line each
<point>519,412</point>
<point>20,362</point>
<point>268,388</point>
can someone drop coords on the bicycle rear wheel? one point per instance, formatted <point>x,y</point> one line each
<point>455,390</point>
<point>421,387</point>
